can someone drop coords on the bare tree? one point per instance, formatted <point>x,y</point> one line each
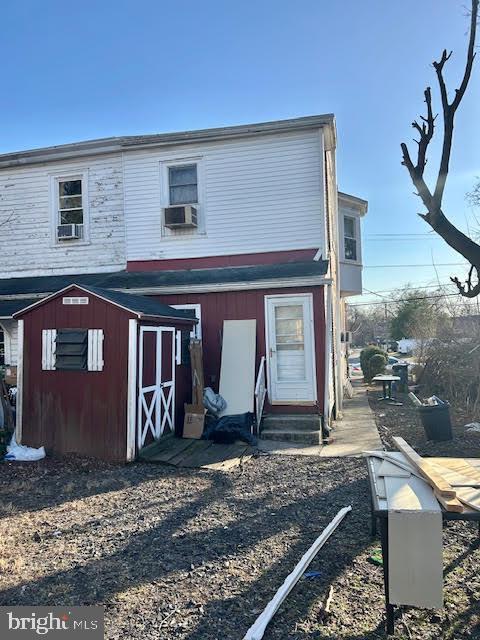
<point>432,198</point>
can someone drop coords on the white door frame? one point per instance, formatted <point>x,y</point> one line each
<point>286,296</point>
<point>160,411</point>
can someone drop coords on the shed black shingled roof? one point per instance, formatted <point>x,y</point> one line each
<point>9,307</point>
<point>140,305</point>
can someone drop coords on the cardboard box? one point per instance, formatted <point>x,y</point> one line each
<point>194,421</point>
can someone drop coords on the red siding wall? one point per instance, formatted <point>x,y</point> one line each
<point>210,262</point>
<point>77,411</point>
<point>244,305</point>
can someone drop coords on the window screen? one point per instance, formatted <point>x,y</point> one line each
<point>183,184</point>
<point>71,349</point>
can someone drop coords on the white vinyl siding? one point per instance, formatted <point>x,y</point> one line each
<point>10,332</point>
<point>263,193</point>
<point>27,243</point>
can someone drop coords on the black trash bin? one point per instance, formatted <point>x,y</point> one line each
<point>436,421</point>
<point>401,370</point>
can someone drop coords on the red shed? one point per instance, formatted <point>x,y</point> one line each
<point>100,372</point>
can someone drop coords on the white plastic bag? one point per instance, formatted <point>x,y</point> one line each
<point>20,453</point>
<point>473,426</point>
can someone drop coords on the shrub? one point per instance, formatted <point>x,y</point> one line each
<point>376,364</point>
<point>365,356</point>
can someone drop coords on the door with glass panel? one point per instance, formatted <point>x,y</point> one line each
<point>290,348</point>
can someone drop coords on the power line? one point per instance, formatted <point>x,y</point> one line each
<point>441,264</point>
<point>432,234</point>
<point>402,239</point>
<point>364,304</point>
<point>414,287</point>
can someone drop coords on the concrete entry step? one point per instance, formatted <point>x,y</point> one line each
<point>302,428</point>
<point>283,435</point>
<point>289,422</point>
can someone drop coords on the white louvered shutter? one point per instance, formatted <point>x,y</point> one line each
<point>95,350</point>
<point>48,349</point>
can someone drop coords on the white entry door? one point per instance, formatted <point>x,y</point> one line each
<point>156,384</point>
<point>290,348</point>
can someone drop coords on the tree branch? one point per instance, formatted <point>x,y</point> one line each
<point>433,201</point>
<point>466,289</point>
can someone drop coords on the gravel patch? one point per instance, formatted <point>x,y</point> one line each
<point>190,554</point>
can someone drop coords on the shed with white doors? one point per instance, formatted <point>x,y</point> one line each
<point>100,372</point>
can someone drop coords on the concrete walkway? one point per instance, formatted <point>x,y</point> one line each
<point>357,431</point>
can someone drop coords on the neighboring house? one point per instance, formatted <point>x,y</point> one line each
<point>232,223</point>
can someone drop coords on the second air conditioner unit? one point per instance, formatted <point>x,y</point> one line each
<point>181,217</point>
<point>69,232</point>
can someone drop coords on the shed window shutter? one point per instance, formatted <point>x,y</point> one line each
<point>48,349</point>
<point>95,349</point>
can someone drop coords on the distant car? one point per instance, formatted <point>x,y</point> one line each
<point>391,361</point>
<point>354,364</point>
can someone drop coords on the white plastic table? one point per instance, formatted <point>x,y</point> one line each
<point>387,382</point>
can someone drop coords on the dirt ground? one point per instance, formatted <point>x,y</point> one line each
<point>187,554</point>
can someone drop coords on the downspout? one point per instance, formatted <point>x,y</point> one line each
<point>328,359</point>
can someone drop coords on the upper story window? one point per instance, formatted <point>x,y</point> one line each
<point>350,238</point>
<point>183,184</point>
<point>69,204</point>
<point>181,198</point>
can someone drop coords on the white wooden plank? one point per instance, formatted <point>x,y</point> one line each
<point>19,402</point>
<point>257,630</point>
<point>45,338</point>
<point>415,544</point>
<point>178,347</point>
<point>388,468</point>
<point>101,338</point>
<point>90,350</point>
<point>237,371</point>
<point>131,387</point>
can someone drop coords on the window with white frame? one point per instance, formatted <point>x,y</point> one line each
<point>182,184</point>
<point>350,238</point>
<point>69,203</point>
<point>196,310</point>
<point>182,197</point>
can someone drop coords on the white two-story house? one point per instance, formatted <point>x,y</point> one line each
<point>241,222</point>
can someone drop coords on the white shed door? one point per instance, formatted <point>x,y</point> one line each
<point>156,382</point>
<point>290,348</point>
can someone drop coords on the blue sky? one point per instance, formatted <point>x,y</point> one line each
<point>74,71</point>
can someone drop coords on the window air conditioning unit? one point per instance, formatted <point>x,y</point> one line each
<point>69,232</point>
<point>184,217</point>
